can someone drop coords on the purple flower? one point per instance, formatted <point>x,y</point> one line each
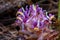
<point>50,15</point>
<point>32,15</point>
<point>20,10</point>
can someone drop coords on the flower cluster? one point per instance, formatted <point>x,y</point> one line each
<point>34,17</point>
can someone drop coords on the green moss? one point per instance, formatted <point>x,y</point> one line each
<point>58,27</point>
<point>59,11</point>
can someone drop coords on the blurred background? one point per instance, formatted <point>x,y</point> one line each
<point>9,8</point>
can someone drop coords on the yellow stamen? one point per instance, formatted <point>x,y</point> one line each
<point>51,17</point>
<point>19,18</point>
<point>36,29</point>
<point>20,13</point>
